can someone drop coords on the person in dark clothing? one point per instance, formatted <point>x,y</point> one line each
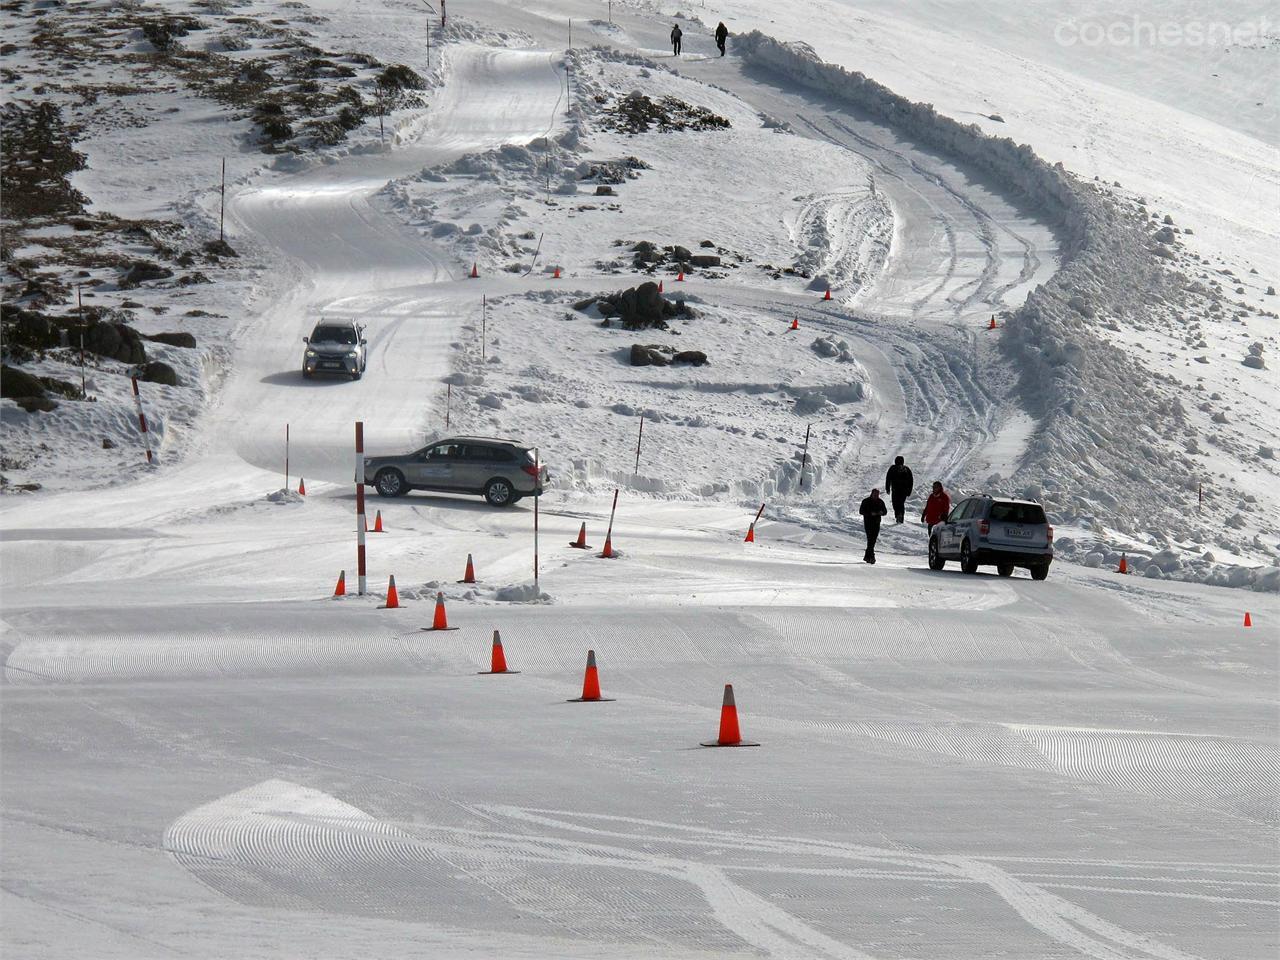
<point>872,510</point>
<point>676,34</point>
<point>722,35</point>
<point>898,483</point>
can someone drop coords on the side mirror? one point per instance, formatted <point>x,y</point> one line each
<point>364,343</point>
<point>306,339</point>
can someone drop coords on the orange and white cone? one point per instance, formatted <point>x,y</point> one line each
<point>992,324</point>
<point>660,286</point>
<point>470,575</point>
<point>607,552</point>
<point>729,735</point>
<point>497,658</point>
<point>377,523</point>
<point>441,620</point>
<point>581,542</point>
<point>341,589</point>
<point>1124,564</point>
<point>474,272</point>
<point>591,684</point>
<point>393,596</point>
<point>556,275</point>
<point>751,534</point>
<point>1248,620</point>
<point>302,487</point>
<point>795,324</point>
<point>827,295</point>
<point>680,277</point>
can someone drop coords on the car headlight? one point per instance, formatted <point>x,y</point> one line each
<point>352,354</point>
<point>311,353</point>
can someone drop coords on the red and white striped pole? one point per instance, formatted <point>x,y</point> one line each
<point>360,522</point>
<point>537,479</point>
<point>142,418</point>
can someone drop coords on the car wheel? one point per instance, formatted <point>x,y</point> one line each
<point>1040,572</point>
<point>967,562</point>
<point>306,374</point>
<point>935,560</point>
<point>1004,569</point>
<point>390,483</point>
<point>499,493</point>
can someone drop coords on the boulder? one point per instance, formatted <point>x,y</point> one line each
<point>17,383</point>
<point>681,254</point>
<point>705,260</point>
<point>604,190</point>
<point>177,339</point>
<point>640,355</point>
<point>36,404</point>
<point>143,271</point>
<point>158,372</point>
<point>653,354</point>
<point>695,357</point>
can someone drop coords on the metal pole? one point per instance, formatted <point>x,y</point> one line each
<point>448,403</point>
<point>360,521</point>
<point>84,393</point>
<point>759,513</point>
<point>612,510</point>
<point>484,323</point>
<point>537,495</point>
<point>286,456</point>
<point>142,417</point>
<point>222,205</point>
<point>640,438</point>
<point>804,458</point>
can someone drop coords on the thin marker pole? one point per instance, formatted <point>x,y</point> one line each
<point>222,204</point>
<point>142,418</point>
<point>537,495</point>
<point>484,324</point>
<point>612,510</point>
<point>360,521</point>
<point>448,404</point>
<point>804,458</point>
<point>639,439</point>
<point>80,310</point>
<point>286,456</point>
<point>759,513</point>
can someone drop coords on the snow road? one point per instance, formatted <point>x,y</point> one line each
<point>203,756</point>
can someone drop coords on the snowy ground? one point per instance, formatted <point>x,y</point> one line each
<point>204,754</point>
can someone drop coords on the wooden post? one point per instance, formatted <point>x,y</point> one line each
<point>639,439</point>
<point>804,458</point>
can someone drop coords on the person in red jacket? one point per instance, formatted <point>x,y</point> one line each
<point>937,506</point>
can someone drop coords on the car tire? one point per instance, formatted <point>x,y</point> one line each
<point>1040,571</point>
<point>499,493</point>
<point>390,483</point>
<point>935,559</point>
<point>306,374</point>
<point>1004,569</point>
<point>968,563</point>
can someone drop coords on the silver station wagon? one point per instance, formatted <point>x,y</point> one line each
<point>995,531</point>
<point>502,471</point>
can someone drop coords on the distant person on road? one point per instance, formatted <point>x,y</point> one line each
<point>722,35</point>
<point>872,510</point>
<point>898,483</point>
<point>676,34</point>
<point>936,507</point>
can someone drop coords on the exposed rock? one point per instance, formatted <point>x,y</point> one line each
<point>219,248</point>
<point>604,190</point>
<point>1254,362</point>
<point>143,271</point>
<point>695,357</point>
<point>17,383</point>
<point>705,260</point>
<point>179,339</point>
<point>159,372</point>
<point>108,443</point>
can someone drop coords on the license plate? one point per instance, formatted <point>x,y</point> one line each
<point>1018,533</point>
<point>332,365</point>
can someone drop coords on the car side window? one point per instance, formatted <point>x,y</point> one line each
<point>478,454</point>
<point>957,512</point>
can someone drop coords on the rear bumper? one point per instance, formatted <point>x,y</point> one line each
<point>1017,558</point>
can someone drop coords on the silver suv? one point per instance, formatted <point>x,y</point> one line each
<point>337,347</point>
<point>502,471</point>
<point>994,530</point>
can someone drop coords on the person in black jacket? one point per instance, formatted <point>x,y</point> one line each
<point>676,34</point>
<point>722,35</point>
<point>872,510</point>
<point>898,483</point>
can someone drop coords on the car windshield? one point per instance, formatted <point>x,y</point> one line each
<point>333,335</point>
<point>1017,513</point>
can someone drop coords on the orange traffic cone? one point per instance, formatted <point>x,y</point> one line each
<point>377,523</point>
<point>680,277</point>
<point>556,275</point>
<point>497,659</point>
<point>751,534</point>
<point>393,597</point>
<point>1248,620</point>
<point>1124,564</point>
<point>607,552</point>
<point>440,621</point>
<point>341,589</point>
<point>470,575</point>
<point>729,735</point>
<point>795,323</point>
<point>581,542</point>
<point>827,295</point>
<point>992,324</point>
<point>302,487</point>
<point>474,272</point>
<point>591,684</point>
<point>660,286</point>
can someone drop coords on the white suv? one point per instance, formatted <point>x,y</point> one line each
<point>994,530</point>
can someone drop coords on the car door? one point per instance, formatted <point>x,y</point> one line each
<point>953,528</point>
<point>474,467</point>
<point>433,467</point>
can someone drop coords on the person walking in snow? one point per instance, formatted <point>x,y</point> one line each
<point>676,34</point>
<point>936,507</point>
<point>872,510</point>
<point>722,35</point>
<point>898,483</point>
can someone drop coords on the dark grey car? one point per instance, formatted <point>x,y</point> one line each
<point>997,531</point>
<point>502,471</point>
<point>337,347</point>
